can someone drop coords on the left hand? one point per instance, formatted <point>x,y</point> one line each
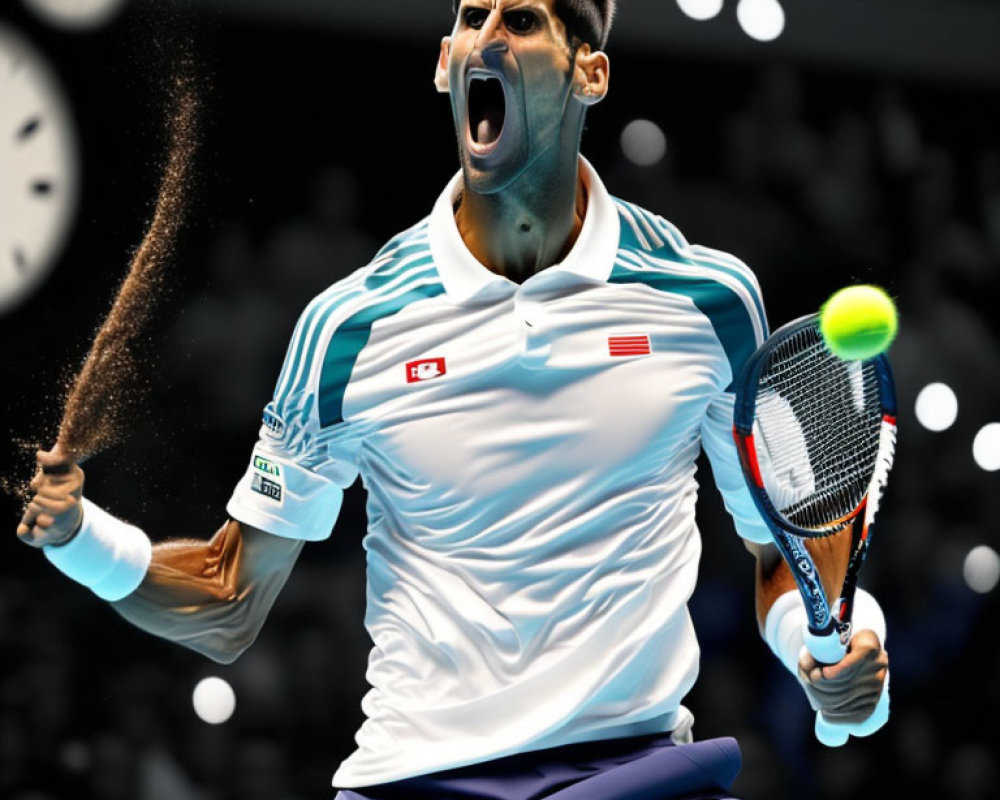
<point>847,692</point>
<point>54,514</point>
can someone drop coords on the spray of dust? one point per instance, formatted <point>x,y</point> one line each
<point>109,384</point>
<point>100,400</point>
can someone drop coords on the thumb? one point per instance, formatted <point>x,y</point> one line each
<point>53,461</point>
<point>809,666</point>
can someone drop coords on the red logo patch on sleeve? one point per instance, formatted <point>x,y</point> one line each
<point>425,369</point>
<point>629,345</point>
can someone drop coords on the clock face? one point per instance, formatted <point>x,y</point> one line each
<point>80,14</point>
<point>38,169</point>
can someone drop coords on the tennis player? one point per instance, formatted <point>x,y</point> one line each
<point>523,381</point>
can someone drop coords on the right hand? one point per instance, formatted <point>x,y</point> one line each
<point>54,514</point>
<point>850,697</point>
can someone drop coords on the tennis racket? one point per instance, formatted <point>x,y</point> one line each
<point>816,437</point>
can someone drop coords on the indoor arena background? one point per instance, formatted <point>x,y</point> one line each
<point>855,147</point>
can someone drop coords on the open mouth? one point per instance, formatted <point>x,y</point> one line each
<point>487,109</point>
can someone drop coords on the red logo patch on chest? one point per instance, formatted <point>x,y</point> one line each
<point>637,345</point>
<point>425,369</point>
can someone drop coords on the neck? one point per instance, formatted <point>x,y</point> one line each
<point>529,225</point>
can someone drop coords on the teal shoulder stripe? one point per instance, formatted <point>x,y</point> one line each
<point>304,346</point>
<point>386,259</point>
<point>740,273</point>
<point>326,305</point>
<point>400,239</point>
<point>654,232</point>
<point>347,343</point>
<point>676,244</point>
<point>290,353</point>
<point>627,239</point>
<point>724,309</point>
<point>676,248</point>
<point>416,256</point>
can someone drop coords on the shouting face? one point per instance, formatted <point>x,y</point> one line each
<point>510,72</point>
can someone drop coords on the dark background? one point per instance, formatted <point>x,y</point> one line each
<point>843,152</point>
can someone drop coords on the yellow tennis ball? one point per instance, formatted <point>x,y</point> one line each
<point>858,322</point>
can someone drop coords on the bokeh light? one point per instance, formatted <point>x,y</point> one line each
<point>937,407</point>
<point>981,569</point>
<point>763,20</point>
<point>214,700</point>
<point>986,447</point>
<point>700,9</point>
<point>643,142</point>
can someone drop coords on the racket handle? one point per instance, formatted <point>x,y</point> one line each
<point>827,648</point>
<point>834,734</point>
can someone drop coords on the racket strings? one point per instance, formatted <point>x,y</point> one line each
<point>819,419</point>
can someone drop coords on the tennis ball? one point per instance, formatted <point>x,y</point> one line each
<point>858,322</point>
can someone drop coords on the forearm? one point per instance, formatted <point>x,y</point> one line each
<point>211,596</point>
<point>848,685</point>
<point>774,577</point>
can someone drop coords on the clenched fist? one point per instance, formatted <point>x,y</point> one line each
<point>848,691</point>
<point>54,514</point>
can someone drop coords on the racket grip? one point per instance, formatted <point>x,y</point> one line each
<point>834,734</point>
<point>827,648</point>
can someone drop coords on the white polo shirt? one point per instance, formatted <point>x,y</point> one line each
<point>529,454</point>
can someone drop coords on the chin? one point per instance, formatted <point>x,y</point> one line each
<point>490,176</point>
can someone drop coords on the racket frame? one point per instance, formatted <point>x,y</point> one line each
<point>828,632</point>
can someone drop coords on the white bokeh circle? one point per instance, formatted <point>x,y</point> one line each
<point>986,447</point>
<point>700,9</point>
<point>214,700</point>
<point>763,20</point>
<point>936,407</point>
<point>643,142</point>
<point>981,569</point>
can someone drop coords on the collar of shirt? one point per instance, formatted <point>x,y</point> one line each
<point>592,256</point>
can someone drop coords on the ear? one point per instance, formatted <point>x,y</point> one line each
<point>590,75</point>
<point>441,73</point>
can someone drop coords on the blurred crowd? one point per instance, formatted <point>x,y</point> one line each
<point>861,193</point>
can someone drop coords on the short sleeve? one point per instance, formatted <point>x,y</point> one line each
<point>717,441</point>
<point>294,484</point>
<point>717,424</point>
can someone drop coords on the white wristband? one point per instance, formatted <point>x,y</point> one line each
<point>786,625</point>
<point>785,628</point>
<point>868,615</point>
<point>785,631</point>
<point>108,556</point>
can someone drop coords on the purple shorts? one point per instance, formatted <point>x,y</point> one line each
<point>634,768</point>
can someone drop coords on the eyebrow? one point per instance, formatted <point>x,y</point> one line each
<point>536,4</point>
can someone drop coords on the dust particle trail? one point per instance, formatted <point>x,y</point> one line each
<point>111,381</point>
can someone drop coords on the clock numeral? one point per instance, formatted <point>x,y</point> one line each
<point>43,188</point>
<point>20,260</point>
<point>29,128</point>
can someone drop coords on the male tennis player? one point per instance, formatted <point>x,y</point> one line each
<point>523,380</point>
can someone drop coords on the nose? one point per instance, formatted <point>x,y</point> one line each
<point>494,52</point>
<point>491,41</point>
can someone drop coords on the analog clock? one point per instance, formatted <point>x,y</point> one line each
<point>38,169</point>
<point>78,14</point>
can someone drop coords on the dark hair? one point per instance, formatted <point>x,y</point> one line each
<point>585,20</point>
